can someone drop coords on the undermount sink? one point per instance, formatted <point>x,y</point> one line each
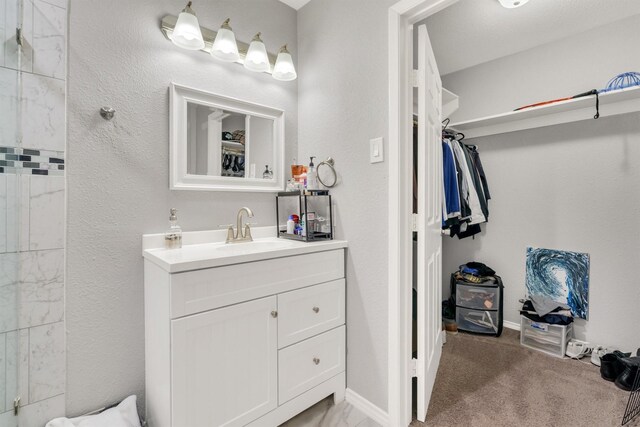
<point>260,245</point>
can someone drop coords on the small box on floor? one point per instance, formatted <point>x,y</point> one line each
<point>545,337</point>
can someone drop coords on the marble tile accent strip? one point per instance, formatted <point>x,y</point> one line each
<point>15,160</point>
<point>46,361</point>
<point>46,213</point>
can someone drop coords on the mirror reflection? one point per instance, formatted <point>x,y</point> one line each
<point>224,143</point>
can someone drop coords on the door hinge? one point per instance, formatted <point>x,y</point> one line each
<point>19,36</point>
<point>414,222</point>
<point>414,368</point>
<point>415,78</point>
<point>16,406</point>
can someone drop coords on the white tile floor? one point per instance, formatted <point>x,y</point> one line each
<point>326,414</point>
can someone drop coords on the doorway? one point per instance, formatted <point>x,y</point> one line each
<point>402,222</point>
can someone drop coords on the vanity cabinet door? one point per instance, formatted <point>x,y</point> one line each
<point>224,365</point>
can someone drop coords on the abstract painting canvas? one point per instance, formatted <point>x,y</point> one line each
<point>560,275</point>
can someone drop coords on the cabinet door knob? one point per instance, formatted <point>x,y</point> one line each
<point>316,309</point>
<point>274,314</point>
<point>316,360</point>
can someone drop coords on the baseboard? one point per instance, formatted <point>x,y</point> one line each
<point>511,325</point>
<point>367,408</point>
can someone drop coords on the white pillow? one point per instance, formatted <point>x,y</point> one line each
<point>123,415</point>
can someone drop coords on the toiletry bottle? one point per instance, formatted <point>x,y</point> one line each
<point>267,174</point>
<point>312,178</point>
<point>173,237</point>
<point>303,224</point>
<point>291,225</point>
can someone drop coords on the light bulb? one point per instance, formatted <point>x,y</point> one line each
<point>512,4</point>
<point>284,70</point>
<point>225,47</point>
<point>257,59</point>
<point>186,33</point>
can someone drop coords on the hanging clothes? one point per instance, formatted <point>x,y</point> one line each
<point>477,217</point>
<point>451,195</point>
<point>466,189</point>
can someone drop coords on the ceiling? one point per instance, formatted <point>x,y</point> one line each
<point>296,4</point>
<point>472,32</point>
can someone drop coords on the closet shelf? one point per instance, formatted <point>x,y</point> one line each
<point>611,104</point>
<point>450,103</point>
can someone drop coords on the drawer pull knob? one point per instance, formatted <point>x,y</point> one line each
<point>274,314</point>
<point>316,360</point>
<point>316,309</point>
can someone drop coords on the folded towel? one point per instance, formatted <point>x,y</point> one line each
<point>123,415</point>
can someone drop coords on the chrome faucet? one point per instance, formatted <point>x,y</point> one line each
<point>240,234</point>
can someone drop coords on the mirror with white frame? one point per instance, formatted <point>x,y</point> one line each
<point>224,144</point>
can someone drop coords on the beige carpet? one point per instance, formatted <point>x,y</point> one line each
<point>484,381</point>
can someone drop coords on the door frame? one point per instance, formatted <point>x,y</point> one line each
<point>402,16</point>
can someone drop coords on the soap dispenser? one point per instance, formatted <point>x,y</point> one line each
<point>312,177</point>
<point>268,173</point>
<point>173,237</point>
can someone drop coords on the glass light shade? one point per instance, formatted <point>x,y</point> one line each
<point>225,47</point>
<point>512,4</point>
<point>284,70</point>
<point>186,33</point>
<point>257,59</point>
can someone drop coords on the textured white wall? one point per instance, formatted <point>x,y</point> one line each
<point>342,104</point>
<point>573,187</point>
<point>118,171</point>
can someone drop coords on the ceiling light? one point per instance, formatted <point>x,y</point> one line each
<point>187,32</point>
<point>257,59</point>
<point>511,4</point>
<point>284,70</point>
<point>225,47</point>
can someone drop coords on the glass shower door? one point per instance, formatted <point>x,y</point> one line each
<point>12,339</point>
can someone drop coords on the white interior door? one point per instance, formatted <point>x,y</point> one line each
<point>429,221</point>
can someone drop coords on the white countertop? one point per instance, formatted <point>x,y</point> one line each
<point>207,249</point>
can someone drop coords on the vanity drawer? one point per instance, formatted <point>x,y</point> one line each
<point>202,290</point>
<point>307,312</point>
<point>305,365</point>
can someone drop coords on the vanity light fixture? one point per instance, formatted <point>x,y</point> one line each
<point>512,4</point>
<point>257,59</point>
<point>187,32</point>
<point>284,70</point>
<point>225,47</point>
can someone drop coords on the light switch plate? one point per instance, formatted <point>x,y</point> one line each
<point>376,150</point>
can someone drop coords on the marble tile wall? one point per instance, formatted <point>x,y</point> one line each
<point>32,201</point>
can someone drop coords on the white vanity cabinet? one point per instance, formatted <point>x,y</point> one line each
<point>246,343</point>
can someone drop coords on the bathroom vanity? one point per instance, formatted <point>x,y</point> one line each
<point>242,334</point>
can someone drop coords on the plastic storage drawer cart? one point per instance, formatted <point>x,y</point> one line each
<point>545,337</point>
<point>479,306</point>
